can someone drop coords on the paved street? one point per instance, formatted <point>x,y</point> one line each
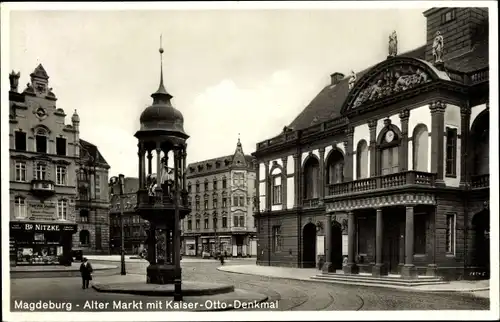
<point>291,294</point>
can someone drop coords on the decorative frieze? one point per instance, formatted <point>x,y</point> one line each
<point>382,201</point>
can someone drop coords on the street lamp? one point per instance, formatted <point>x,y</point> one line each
<point>121,181</point>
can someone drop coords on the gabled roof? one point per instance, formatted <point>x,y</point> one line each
<point>40,72</point>
<point>89,149</point>
<point>328,103</point>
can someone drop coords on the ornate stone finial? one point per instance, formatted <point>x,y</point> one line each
<point>161,95</point>
<point>14,81</point>
<point>393,45</point>
<point>352,80</point>
<point>404,114</point>
<point>438,48</point>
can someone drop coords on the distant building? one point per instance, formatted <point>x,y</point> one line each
<point>44,154</point>
<point>221,193</point>
<point>133,224</point>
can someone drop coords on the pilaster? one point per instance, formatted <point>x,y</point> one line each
<point>437,140</point>
<point>379,269</point>
<point>351,267</point>
<point>296,182</point>
<point>372,126</point>
<point>409,270</point>
<point>328,266</point>
<point>348,143</point>
<point>268,185</point>
<point>404,116</point>
<point>284,183</point>
<point>321,173</point>
<point>464,145</point>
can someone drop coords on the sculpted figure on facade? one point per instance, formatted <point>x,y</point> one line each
<point>14,81</point>
<point>438,48</point>
<point>352,80</point>
<point>393,44</point>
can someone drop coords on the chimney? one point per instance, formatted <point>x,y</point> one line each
<point>336,78</point>
<point>458,26</point>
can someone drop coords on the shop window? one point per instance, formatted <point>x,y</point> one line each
<point>60,146</point>
<point>20,141</point>
<point>224,222</point>
<point>62,209</point>
<point>20,171</point>
<point>41,171</point>
<point>420,225</point>
<point>450,233</point>
<point>41,141</point>
<point>84,238</point>
<point>451,152</point>
<point>20,209</point>
<point>61,175</point>
<point>276,238</point>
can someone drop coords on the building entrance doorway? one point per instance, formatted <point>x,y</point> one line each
<point>481,229</point>
<point>309,246</point>
<point>336,242</point>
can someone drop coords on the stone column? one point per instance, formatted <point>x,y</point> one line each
<point>379,268</point>
<point>158,166</point>
<point>409,270</point>
<point>321,173</point>
<point>296,161</point>
<point>372,126</point>
<point>403,152</point>
<point>464,148</point>
<point>150,162</point>
<point>328,266</point>
<point>268,192</point>
<point>437,140</point>
<point>351,267</point>
<point>348,154</point>
<point>431,251</point>
<point>284,184</point>
<point>401,246</point>
<point>183,168</point>
<point>142,172</point>
<point>257,188</point>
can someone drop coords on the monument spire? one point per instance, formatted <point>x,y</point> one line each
<point>161,95</point>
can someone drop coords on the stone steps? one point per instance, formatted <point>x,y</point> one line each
<point>371,280</point>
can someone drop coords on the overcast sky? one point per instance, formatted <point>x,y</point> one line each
<point>230,72</point>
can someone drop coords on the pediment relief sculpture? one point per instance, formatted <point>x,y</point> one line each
<point>391,81</point>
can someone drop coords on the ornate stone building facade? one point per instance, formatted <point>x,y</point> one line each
<point>92,205</point>
<point>133,224</point>
<point>221,192</point>
<point>387,170</point>
<point>43,165</point>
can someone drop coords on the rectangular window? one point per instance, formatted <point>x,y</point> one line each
<point>20,210</point>
<point>448,16</point>
<point>450,233</point>
<point>390,160</point>
<point>60,146</point>
<point>206,186</point>
<point>215,222</point>
<point>197,187</point>
<point>215,184</point>
<point>224,184</point>
<point>189,188</point>
<point>215,203</point>
<point>20,171</point>
<point>242,201</point>
<point>190,225</point>
<point>235,221</point>
<point>205,206</point>
<point>197,205</point>
<point>277,190</point>
<point>61,175</point>
<point>41,171</point>
<point>62,209</point>
<point>20,141</point>
<point>242,221</point>
<point>235,201</point>
<point>197,224</point>
<point>224,222</point>
<point>224,202</point>
<point>451,152</point>
<point>97,186</point>
<point>276,238</point>
<point>206,223</point>
<point>420,232</point>
<point>41,143</point>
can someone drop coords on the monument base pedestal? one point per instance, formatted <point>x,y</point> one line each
<point>162,274</point>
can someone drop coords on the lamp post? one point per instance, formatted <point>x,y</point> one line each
<point>121,181</point>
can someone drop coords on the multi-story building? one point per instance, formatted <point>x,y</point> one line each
<point>221,192</point>
<point>388,169</point>
<point>43,164</point>
<point>133,224</point>
<point>92,205</point>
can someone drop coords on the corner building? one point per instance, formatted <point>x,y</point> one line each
<point>387,170</point>
<point>222,191</point>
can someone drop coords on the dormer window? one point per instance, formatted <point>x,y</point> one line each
<point>448,16</point>
<point>41,141</point>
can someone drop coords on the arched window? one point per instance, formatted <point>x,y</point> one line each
<point>389,141</point>
<point>84,237</point>
<point>311,178</point>
<point>362,160</point>
<point>481,144</point>
<point>335,167</point>
<point>214,220</point>
<point>421,148</point>
<point>20,207</point>
<point>41,138</point>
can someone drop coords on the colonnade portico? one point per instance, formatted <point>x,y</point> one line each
<point>405,252</point>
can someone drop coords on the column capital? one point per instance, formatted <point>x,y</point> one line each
<point>410,207</point>
<point>437,107</point>
<point>296,156</point>
<point>328,215</point>
<point>378,209</point>
<point>322,150</point>
<point>465,111</point>
<point>284,159</point>
<point>372,124</point>
<point>349,131</point>
<point>404,115</point>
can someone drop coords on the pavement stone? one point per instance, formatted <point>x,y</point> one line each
<point>481,287</point>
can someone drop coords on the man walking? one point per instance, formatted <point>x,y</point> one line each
<point>86,272</point>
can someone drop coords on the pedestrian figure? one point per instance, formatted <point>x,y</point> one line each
<point>86,272</point>
<point>222,259</point>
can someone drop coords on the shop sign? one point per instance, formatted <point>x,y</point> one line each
<point>43,210</point>
<point>42,227</point>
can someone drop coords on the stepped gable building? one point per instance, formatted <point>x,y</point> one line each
<point>222,191</point>
<point>92,205</point>
<point>387,170</point>
<point>133,224</point>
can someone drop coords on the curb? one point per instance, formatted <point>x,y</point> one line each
<point>404,288</point>
<point>58,270</point>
